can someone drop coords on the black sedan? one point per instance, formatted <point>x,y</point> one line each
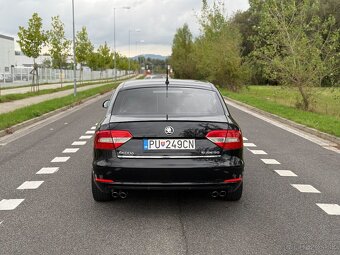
<point>155,136</point>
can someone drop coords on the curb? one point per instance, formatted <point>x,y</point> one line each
<point>27,123</point>
<point>301,127</point>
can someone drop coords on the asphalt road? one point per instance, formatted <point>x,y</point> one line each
<point>60,216</point>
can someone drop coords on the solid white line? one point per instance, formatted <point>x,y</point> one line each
<point>70,150</point>
<point>285,173</point>
<point>93,128</point>
<point>322,142</point>
<point>249,145</point>
<point>90,132</point>
<point>30,185</point>
<point>9,204</point>
<point>48,170</point>
<point>77,143</point>
<point>60,159</point>
<point>331,209</point>
<point>305,188</point>
<point>258,152</point>
<point>270,161</point>
<point>245,139</point>
<point>85,137</point>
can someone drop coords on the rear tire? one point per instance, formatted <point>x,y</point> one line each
<point>98,195</point>
<point>235,195</point>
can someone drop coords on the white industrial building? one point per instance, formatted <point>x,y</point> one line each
<point>6,53</point>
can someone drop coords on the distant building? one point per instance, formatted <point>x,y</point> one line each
<point>6,53</point>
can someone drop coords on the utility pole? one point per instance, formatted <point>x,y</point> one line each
<point>74,56</point>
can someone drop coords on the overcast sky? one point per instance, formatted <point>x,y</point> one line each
<point>156,19</point>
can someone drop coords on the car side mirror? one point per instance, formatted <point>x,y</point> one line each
<point>106,103</point>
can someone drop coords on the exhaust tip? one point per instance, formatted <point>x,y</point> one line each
<point>123,194</point>
<point>223,193</point>
<point>214,194</point>
<point>115,194</point>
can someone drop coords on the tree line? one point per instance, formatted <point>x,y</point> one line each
<point>33,38</point>
<point>292,43</point>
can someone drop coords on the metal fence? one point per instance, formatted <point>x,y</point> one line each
<point>23,75</point>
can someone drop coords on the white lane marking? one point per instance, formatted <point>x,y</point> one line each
<point>70,150</point>
<point>93,128</point>
<point>90,132</point>
<point>9,204</point>
<point>3,144</point>
<point>51,129</point>
<point>48,170</point>
<point>60,159</point>
<point>270,161</point>
<point>96,124</point>
<point>85,137</point>
<point>1,222</point>
<point>77,143</point>
<point>65,123</point>
<point>305,188</point>
<point>249,145</point>
<point>322,142</point>
<point>30,185</point>
<point>285,173</point>
<point>331,209</point>
<point>245,139</point>
<point>258,152</point>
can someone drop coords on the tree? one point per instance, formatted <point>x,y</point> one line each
<point>84,49</point>
<point>218,50</point>
<point>294,46</point>
<point>59,46</point>
<point>31,40</point>
<point>105,57</point>
<point>181,57</point>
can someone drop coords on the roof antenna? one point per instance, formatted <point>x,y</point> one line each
<point>167,77</point>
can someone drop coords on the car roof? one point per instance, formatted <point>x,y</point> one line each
<point>161,83</point>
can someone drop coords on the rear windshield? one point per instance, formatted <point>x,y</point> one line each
<point>179,102</point>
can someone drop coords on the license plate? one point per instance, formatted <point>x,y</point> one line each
<point>169,144</point>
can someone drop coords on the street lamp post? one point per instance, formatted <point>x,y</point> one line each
<point>137,30</point>
<point>114,36</point>
<point>74,56</point>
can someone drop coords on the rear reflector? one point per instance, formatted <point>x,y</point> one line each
<point>226,139</point>
<point>111,139</point>
<point>233,180</point>
<point>104,180</point>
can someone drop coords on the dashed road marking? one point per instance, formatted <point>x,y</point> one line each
<point>60,159</point>
<point>77,143</point>
<point>331,209</point>
<point>249,145</point>
<point>245,139</point>
<point>30,185</point>
<point>1,222</point>
<point>93,128</point>
<point>65,123</point>
<point>48,170</point>
<point>285,173</point>
<point>10,204</point>
<point>70,150</point>
<point>51,129</point>
<point>85,137</point>
<point>270,161</point>
<point>305,188</point>
<point>90,132</point>
<point>258,152</point>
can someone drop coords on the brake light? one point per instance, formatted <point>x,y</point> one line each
<point>226,139</point>
<point>111,139</point>
<point>104,180</point>
<point>235,180</point>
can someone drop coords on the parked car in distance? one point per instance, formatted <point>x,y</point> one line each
<point>179,136</point>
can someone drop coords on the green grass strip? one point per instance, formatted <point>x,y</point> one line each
<point>322,122</point>
<point>20,115</point>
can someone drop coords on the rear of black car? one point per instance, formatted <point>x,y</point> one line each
<point>175,137</point>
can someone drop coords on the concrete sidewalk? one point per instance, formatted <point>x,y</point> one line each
<point>11,106</point>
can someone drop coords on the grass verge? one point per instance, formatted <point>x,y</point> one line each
<point>323,122</point>
<point>10,119</point>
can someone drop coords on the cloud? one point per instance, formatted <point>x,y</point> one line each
<point>157,19</point>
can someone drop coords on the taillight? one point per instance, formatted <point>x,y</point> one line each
<point>226,139</point>
<point>111,139</point>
